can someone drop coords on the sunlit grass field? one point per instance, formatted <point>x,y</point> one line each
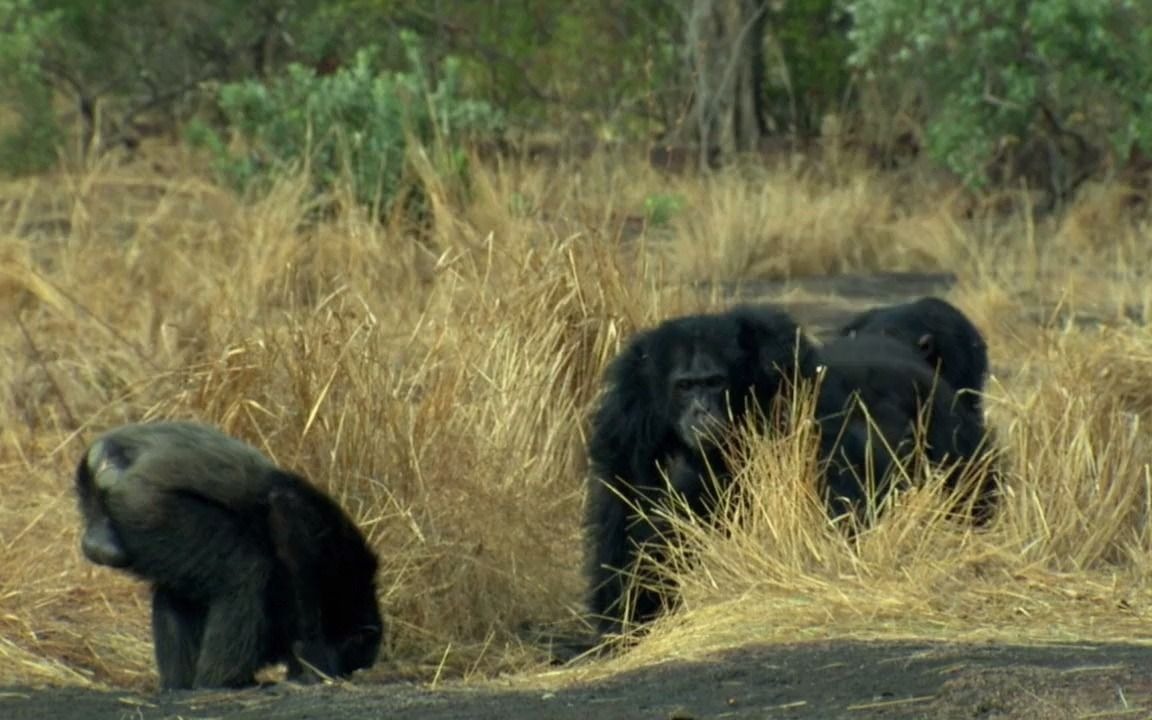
<point>438,382</point>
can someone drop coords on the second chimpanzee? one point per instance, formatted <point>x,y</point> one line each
<point>940,333</point>
<point>884,383</point>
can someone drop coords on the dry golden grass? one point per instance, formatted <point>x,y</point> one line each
<point>439,387</point>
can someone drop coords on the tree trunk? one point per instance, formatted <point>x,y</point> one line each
<point>725,46</point>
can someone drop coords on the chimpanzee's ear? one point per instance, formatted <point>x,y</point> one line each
<point>927,345</point>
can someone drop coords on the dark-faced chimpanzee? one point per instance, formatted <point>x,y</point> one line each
<point>671,401</point>
<point>940,333</point>
<point>884,382</point>
<point>250,565</point>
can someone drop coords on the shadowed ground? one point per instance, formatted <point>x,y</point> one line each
<point>821,681</point>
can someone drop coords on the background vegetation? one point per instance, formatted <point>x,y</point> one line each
<point>1046,93</point>
<point>393,245</point>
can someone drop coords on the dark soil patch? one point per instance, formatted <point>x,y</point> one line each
<point>817,681</point>
<point>828,301</point>
<point>834,298</point>
<point>872,287</point>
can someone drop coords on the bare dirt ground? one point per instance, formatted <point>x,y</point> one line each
<point>821,303</point>
<point>821,681</point>
<point>818,680</point>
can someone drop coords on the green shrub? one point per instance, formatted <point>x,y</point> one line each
<point>989,72</point>
<point>30,142</point>
<point>33,143</point>
<point>356,126</point>
<point>810,76</point>
<point>660,208</point>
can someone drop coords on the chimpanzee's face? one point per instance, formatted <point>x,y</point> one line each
<point>699,388</point>
<point>696,364</point>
